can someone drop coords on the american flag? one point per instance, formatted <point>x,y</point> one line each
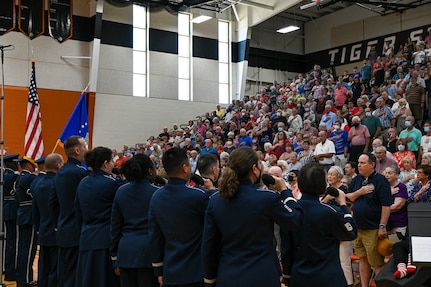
<point>33,128</point>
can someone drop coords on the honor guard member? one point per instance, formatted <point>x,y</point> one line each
<point>208,167</point>
<point>94,197</point>
<point>41,171</point>
<point>9,214</point>
<point>63,199</point>
<point>238,240</point>
<point>316,258</point>
<point>26,235</point>
<point>130,248</point>
<point>176,220</point>
<point>48,254</point>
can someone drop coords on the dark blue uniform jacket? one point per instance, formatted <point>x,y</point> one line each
<point>62,202</point>
<point>238,247</point>
<point>316,254</point>
<point>176,225</point>
<point>129,225</point>
<point>9,204</point>
<point>41,218</point>
<point>94,198</point>
<point>24,198</point>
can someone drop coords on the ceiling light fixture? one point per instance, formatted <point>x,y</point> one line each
<point>288,29</point>
<point>200,19</point>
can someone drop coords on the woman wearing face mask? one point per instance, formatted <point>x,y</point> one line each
<point>237,243</point>
<point>426,139</point>
<point>401,115</point>
<point>403,151</point>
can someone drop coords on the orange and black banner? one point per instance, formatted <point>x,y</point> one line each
<point>7,13</point>
<point>60,19</point>
<point>31,17</point>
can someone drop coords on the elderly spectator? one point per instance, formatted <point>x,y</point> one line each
<point>341,95</point>
<point>293,164</point>
<point>372,123</point>
<point>391,144</point>
<point>295,120</point>
<point>340,139</point>
<point>121,159</point>
<point>378,143</point>
<point>208,148</point>
<point>289,150</point>
<point>382,161</point>
<point>328,118</point>
<point>384,113</point>
<point>401,114</point>
<point>415,95</point>
<point>398,217</point>
<point>264,134</point>
<point>244,138</point>
<point>350,169</point>
<point>308,130</point>
<point>426,158</point>
<point>412,135</point>
<point>359,138</point>
<point>408,175</point>
<point>421,192</point>
<point>324,152</point>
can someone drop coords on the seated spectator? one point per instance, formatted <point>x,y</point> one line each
<point>121,159</point>
<point>208,148</point>
<point>422,190</point>
<point>298,143</point>
<point>403,151</point>
<point>244,139</point>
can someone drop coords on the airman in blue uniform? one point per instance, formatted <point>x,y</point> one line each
<point>176,220</point>
<point>47,239</point>
<point>9,214</point>
<point>26,235</point>
<point>129,224</point>
<point>94,197</point>
<point>62,209</point>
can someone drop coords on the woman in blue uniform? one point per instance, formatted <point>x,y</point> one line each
<point>316,244</point>
<point>237,244</point>
<point>94,198</point>
<point>129,224</point>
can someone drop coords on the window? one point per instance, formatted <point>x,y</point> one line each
<point>140,51</point>
<point>224,65</point>
<point>184,64</point>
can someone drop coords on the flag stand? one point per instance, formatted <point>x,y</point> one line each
<point>2,231</point>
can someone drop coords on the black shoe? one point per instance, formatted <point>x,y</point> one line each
<point>31,284</point>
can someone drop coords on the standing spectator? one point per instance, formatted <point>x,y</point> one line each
<point>238,242</point>
<point>359,138</point>
<point>403,152</point>
<point>408,175</point>
<point>425,145</point>
<point>305,156</point>
<point>391,144</point>
<point>340,139</point>
<point>366,74</point>
<point>398,218</point>
<point>62,209</point>
<point>412,135</point>
<point>372,123</point>
<point>176,220</point>
<point>94,197</point>
<point>48,254</point>
<point>371,194</point>
<point>358,89</point>
<point>308,131</point>
<point>295,121</point>
<point>384,113</point>
<point>329,118</point>
<point>401,113</point>
<point>129,224</point>
<point>264,134</point>
<point>350,169</point>
<point>415,95</point>
<point>324,152</point>
<point>121,159</point>
<point>341,95</point>
<point>322,243</point>
<point>382,161</point>
<point>421,192</point>
<point>244,139</point>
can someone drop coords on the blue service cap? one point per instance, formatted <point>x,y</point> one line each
<point>40,160</point>
<point>11,157</point>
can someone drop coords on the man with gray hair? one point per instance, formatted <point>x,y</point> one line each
<point>382,162</point>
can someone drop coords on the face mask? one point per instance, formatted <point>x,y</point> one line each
<point>426,129</point>
<point>298,105</point>
<point>243,114</point>
<point>401,147</point>
<point>289,134</point>
<point>336,127</point>
<point>368,114</point>
<point>408,124</point>
<point>374,148</point>
<point>278,114</point>
<point>258,178</point>
<point>290,178</point>
<point>356,125</point>
<point>307,109</point>
<point>280,129</point>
